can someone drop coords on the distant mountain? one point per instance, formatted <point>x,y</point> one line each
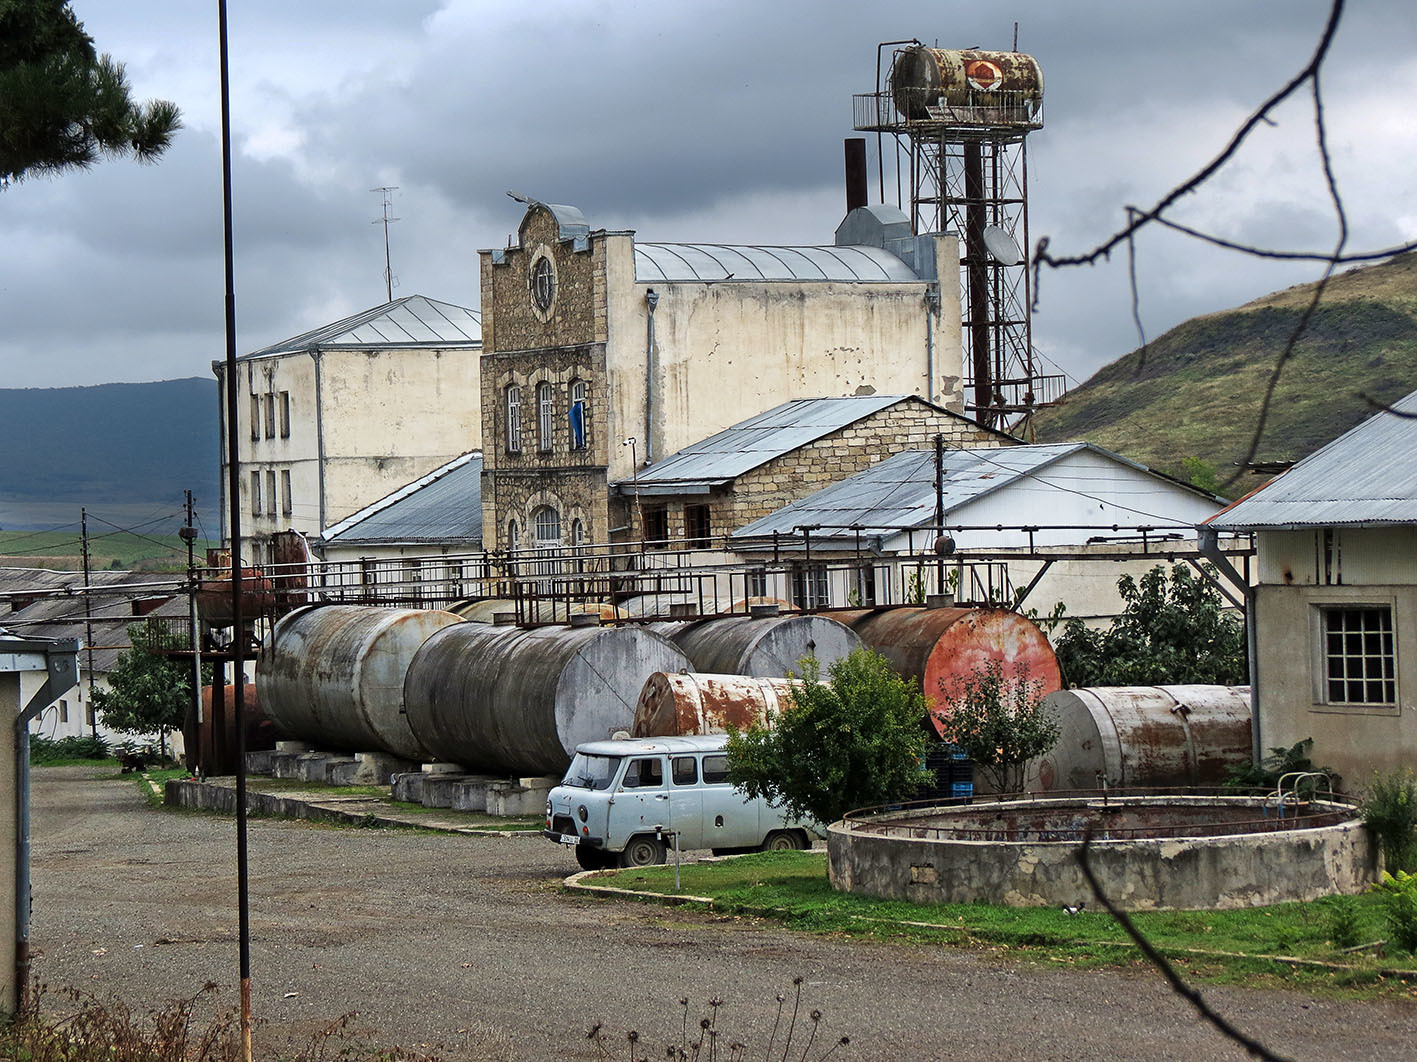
<point>1197,392</point>
<point>123,448</point>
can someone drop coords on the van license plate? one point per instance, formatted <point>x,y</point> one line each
<point>570,838</point>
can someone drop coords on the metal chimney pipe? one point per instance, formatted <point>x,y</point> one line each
<point>856,194</point>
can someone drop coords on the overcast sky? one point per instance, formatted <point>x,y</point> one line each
<point>710,122</point>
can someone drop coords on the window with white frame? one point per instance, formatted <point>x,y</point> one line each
<point>810,587</point>
<point>579,414</point>
<point>545,423</point>
<point>1359,659</point>
<point>514,419</point>
<point>547,524</point>
<point>578,535</point>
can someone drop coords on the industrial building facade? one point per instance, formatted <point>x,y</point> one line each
<point>602,355</point>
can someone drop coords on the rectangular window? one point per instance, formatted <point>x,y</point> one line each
<point>255,494</point>
<point>1359,659</point>
<point>285,503</point>
<point>514,419</point>
<point>270,493</point>
<point>63,711</point>
<point>285,414</point>
<point>644,773</point>
<point>696,527</point>
<point>255,417</point>
<point>685,770</point>
<point>546,417</point>
<point>657,527</point>
<point>270,405</point>
<point>757,581</point>
<point>715,770</point>
<point>809,587</point>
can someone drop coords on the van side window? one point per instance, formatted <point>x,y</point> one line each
<point>685,770</point>
<point>644,773</point>
<point>715,770</point>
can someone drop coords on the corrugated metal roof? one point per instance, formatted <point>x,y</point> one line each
<point>444,506</point>
<point>1368,475</point>
<point>408,322</point>
<point>667,262</point>
<point>900,491</point>
<point>758,440</point>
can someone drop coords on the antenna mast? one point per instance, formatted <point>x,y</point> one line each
<point>386,191</point>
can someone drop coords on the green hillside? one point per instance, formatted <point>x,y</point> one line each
<point>1198,393</point>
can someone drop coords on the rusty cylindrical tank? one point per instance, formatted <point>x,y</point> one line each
<point>942,647</point>
<point>770,647</point>
<point>333,675</point>
<point>923,76</point>
<point>214,598</point>
<point>1144,736</point>
<point>692,703</point>
<point>483,610</point>
<point>520,700</point>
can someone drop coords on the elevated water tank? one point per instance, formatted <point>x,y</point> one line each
<point>693,703</point>
<point>923,78</point>
<point>519,701</point>
<point>333,675</point>
<point>768,647</point>
<point>943,647</point>
<point>1136,736</point>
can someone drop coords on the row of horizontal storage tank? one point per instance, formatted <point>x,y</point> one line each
<point>432,686</point>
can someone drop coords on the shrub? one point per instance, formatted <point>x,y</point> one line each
<point>1000,722</point>
<point>1342,921</point>
<point>1281,761</point>
<point>1390,811</point>
<point>856,740</point>
<point>57,750</point>
<point>1400,907</point>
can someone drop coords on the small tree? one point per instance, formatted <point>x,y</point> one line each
<point>853,741</point>
<point>1000,722</point>
<point>148,693</point>
<point>1167,633</point>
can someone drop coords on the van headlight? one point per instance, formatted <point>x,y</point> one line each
<point>581,812</point>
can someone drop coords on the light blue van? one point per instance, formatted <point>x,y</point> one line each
<point>623,802</point>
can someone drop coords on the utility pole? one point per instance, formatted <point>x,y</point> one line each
<point>88,616</point>
<point>387,192</point>
<point>188,534</point>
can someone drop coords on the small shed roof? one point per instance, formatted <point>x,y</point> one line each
<point>414,321</point>
<point>445,506</point>
<point>744,446</point>
<point>701,262</point>
<point>1367,476</point>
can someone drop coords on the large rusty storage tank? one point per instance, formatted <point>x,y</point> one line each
<point>922,77</point>
<point>520,700</point>
<point>692,703</point>
<point>333,675</point>
<point>767,646</point>
<point>1135,736</point>
<point>943,647</point>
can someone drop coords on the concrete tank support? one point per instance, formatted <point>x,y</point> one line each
<point>333,675</point>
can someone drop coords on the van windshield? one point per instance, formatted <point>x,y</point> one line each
<point>591,772</point>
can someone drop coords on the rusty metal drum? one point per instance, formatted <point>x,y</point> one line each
<point>1130,736</point>
<point>766,647</point>
<point>519,701</point>
<point>923,77</point>
<point>333,675</point>
<point>943,647</point>
<point>690,703</point>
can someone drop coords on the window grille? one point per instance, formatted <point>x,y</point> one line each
<point>514,419</point>
<point>1359,661</point>
<point>545,406</point>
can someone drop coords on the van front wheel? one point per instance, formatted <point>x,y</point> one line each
<point>781,841</point>
<point>643,852</point>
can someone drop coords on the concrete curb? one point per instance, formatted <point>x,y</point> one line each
<point>578,883</point>
<point>206,796</point>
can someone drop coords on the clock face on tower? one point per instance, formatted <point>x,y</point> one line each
<point>542,282</point>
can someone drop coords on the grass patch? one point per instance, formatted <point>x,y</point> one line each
<point>1215,945</point>
<point>158,776</point>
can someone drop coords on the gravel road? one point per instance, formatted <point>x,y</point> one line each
<point>464,942</point>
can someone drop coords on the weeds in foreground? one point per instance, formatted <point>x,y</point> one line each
<point>708,1043</point>
<point>1399,892</point>
<point>76,1026</point>
<point>1389,809</point>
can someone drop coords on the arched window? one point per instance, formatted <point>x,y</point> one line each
<point>514,419</point>
<point>578,535</point>
<point>514,532</point>
<point>547,522</point>
<point>580,414</point>
<point>545,404</point>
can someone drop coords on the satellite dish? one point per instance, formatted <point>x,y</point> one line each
<point>1001,246</point>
